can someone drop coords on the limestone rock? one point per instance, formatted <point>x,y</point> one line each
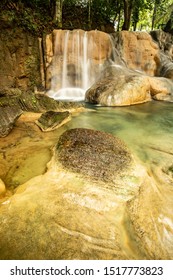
<point>150,218</point>
<point>8,117</point>
<point>161,89</point>
<point>166,67</point>
<point>120,87</point>
<point>2,187</point>
<point>52,120</point>
<point>65,214</point>
<point>19,59</point>
<point>95,155</point>
<point>72,42</point>
<point>164,41</point>
<point>12,92</point>
<point>138,50</point>
<point>31,102</point>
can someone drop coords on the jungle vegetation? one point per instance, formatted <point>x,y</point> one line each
<point>40,16</point>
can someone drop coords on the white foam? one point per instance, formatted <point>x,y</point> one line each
<point>76,94</point>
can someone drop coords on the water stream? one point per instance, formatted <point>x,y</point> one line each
<point>78,60</point>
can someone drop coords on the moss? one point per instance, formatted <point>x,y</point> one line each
<point>31,102</point>
<point>32,65</point>
<point>95,154</point>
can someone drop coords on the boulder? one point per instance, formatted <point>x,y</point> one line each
<point>73,212</point>
<point>120,86</point>
<point>32,102</point>
<point>161,89</point>
<point>2,187</point>
<point>52,120</point>
<point>8,117</point>
<point>13,105</point>
<point>76,209</point>
<point>94,154</point>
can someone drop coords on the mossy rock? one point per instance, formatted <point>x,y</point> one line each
<point>95,154</point>
<point>52,120</point>
<point>31,102</point>
<point>8,117</point>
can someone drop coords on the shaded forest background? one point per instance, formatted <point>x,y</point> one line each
<point>42,16</point>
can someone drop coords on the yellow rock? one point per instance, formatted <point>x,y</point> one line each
<point>2,187</point>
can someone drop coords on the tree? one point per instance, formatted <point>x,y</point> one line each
<point>128,6</point>
<point>89,14</point>
<point>156,3</point>
<point>56,8</point>
<point>169,25</point>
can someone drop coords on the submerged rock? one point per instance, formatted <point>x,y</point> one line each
<point>8,117</point>
<point>52,120</point>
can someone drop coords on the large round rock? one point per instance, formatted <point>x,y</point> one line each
<point>99,155</point>
<point>77,209</point>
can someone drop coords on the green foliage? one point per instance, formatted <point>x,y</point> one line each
<point>36,16</point>
<point>32,16</point>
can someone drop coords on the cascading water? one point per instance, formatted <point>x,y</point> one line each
<point>78,59</point>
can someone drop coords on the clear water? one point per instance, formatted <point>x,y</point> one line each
<point>147,129</point>
<point>82,219</point>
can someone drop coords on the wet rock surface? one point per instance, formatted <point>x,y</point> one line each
<point>8,117</point>
<point>12,105</point>
<point>52,120</point>
<point>2,187</point>
<point>64,214</point>
<point>138,50</point>
<point>31,102</point>
<point>120,86</point>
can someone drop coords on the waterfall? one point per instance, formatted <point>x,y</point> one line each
<point>78,59</point>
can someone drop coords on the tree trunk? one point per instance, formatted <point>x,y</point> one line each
<point>154,14</point>
<point>119,17</point>
<point>128,5</point>
<point>135,17</point>
<point>56,7</point>
<point>89,14</point>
